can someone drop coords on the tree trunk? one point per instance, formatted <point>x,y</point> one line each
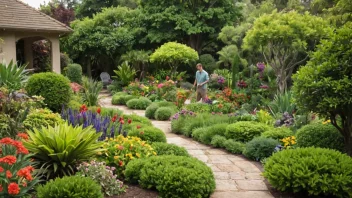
<point>281,81</point>
<point>89,68</point>
<point>195,42</point>
<point>348,143</point>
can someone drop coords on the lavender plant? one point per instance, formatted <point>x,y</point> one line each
<point>103,175</point>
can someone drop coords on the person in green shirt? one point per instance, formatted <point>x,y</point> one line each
<point>202,78</point>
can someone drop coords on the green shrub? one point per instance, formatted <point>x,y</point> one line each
<point>320,135</point>
<point>260,148</point>
<point>150,111</point>
<point>74,73</point>
<point>218,141</point>
<point>278,133</point>
<point>164,113</point>
<point>91,90</point>
<point>136,118</point>
<point>150,134</point>
<point>118,98</point>
<point>153,97</point>
<point>198,107</point>
<point>206,134</point>
<point>173,176</point>
<point>234,146</point>
<point>74,104</point>
<point>57,150</point>
<point>315,171</point>
<point>140,103</point>
<point>41,117</point>
<point>55,88</point>
<point>162,148</point>
<point>245,131</point>
<point>74,186</point>
<point>134,125</point>
<point>12,76</point>
<point>106,111</point>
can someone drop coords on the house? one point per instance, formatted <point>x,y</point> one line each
<point>20,22</point>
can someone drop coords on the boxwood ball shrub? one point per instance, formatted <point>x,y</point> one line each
<point>260,148</point>
<point>245,131</point>
<point>74,73</point>
<point>150,111</point>
<point>206,134</point>
<point>218,141</point>
<point>315,171</point>
<point>37,118</point>
<point>149,134</point>
<point>162,148</point>
<point>74,186</point>
<point>234,146</point>
<point>140,103</point>
<point>164,113</point>
<point>278,133</point>
<point>320,135</point>
<point>136,118</point>
<point>55,88</point>
<point>173,176</point>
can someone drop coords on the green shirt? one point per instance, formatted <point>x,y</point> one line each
<point>201,77</point>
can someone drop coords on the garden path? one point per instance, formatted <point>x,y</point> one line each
<point>236,177</point>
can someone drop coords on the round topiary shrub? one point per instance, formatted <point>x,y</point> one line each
<point>234,146</point>
<point>245,131</point>
<point>278,133</point>
<point>150,111</point>
<point>320,135</point>
<point>315,171</point>
<point>150,134</point>
<point>210,132</point>
<point>260,148</point>
<point>140,103</point>
<point>118,98</point>
<point>74,73</point>
<point>74,186</point>
<point>173,176</point>
<point>55,88</point>
<point>218,141</point>
<point>136,118</point>
<point>38,118</point>
<point>162,148</point>
<point>164,113</point>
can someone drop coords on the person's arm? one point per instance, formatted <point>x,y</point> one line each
<point>206,81</point>
<point>195,82</point>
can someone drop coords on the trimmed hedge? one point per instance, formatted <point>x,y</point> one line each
<point>164,113</point>
<point>149,134</point>
<point>140,103</point>
<point>121,98</point>
<point>150,111</point>
<point>260,148</point>
<point>315,171</point>
<point>205,134</point>
<point>320,135</point>
<point>162,148</point>
<point>172,176</point>
<point>74,73</point>
<point>278,133</point>
<point>234,146</point>
<point>218,141</point>
<point>245,131</point>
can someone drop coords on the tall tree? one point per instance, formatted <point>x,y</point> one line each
<point>87,8</point>
<point>62,11</point>
<point>191,22</point>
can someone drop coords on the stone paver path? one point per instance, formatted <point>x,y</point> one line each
<point>235,176</point>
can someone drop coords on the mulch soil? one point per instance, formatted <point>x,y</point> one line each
<point>134,191</point>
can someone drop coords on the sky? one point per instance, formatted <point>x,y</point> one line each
<point>34,3</point>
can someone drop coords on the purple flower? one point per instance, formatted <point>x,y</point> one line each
<point>261,67</point>
<point>221,80</point>
<point>264,86</point>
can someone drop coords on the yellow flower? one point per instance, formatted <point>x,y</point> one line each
<point>154,153</point>
<point>327,121</point>
<point>99,153</point>
<point>116,157</point>
<point>138,155</point>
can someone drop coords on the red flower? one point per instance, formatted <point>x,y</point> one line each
<point>114,118</point>
<point>23,136</point>
<point>6,141</point>
<point>138,127</point>
<point>13,189</point>
<point>24,184</point>
<point>8,174</point>
<point>1,188</point>
<point>142,132</point>
<point>167,78</point>
<point>122,122</point>
<point>1,169</point>
<point>83,108</point>
<point>10,159</point>
<point>20,147</point>
<point>120,163</point>
<point>129,121</point>
<point>99,110</point>
<point>26,173</point>
<point>120,147</point>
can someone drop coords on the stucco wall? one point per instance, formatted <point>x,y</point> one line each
<point>7,47</point>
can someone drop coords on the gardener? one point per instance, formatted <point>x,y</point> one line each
<point>202,78</point>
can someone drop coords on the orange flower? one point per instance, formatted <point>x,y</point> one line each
<point>13,189</point>
<point>6,141</point>
<point>120,163</point>
<point>1,169</point>
<point>10,159</point>
<point>20,147</point>
<point>23,136</point>
<point>26,173</point>
<point>24,184</point>
<point>99,110</point>
<point>8,174</point>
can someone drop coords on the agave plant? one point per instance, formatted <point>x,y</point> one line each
<point>91,90</point>
<point>59,149</point>
<point>282,103</point>
<point>13,76</point>
<point>125,73</point>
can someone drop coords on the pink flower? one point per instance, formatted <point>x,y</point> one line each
<point>160,85</point>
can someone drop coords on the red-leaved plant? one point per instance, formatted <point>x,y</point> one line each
<point>16,173</point>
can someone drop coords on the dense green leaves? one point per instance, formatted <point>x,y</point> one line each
<point>12,76</point>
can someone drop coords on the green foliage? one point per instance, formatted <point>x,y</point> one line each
<point>324,85</point>
<point>260,148</point>
<point>226,55</point>
<point>58,149</point>
<point>169,174</point>
<point>282,103</point>
<point>174,54</point>
<point>208,62</point>
<point>149,134</point>
<point>264,117</point>
<point>55,88</point>
<point>205,134</point>
<point>245,131</point>
<point>124,73</point>
<point>74,186</point>
<point>198,107</point>
<point>281,37</point>
<point>162,148</point>
<point>277,133</point>
<point>315,171</point>
<point>234,146</point>
<point>164,113</point>
<point>111,112</point>
<point>74,73</point>
<point>150,111</point>
<point>137,118</point>
<point>218,141</point>
<point>91,91</point>
<point>38,118</point>
<point>140,103</point>
<point>118,98</point>
<point>13,76</point>
<point>320,135</point>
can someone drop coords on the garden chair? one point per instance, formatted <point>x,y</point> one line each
<point>105,78</point>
